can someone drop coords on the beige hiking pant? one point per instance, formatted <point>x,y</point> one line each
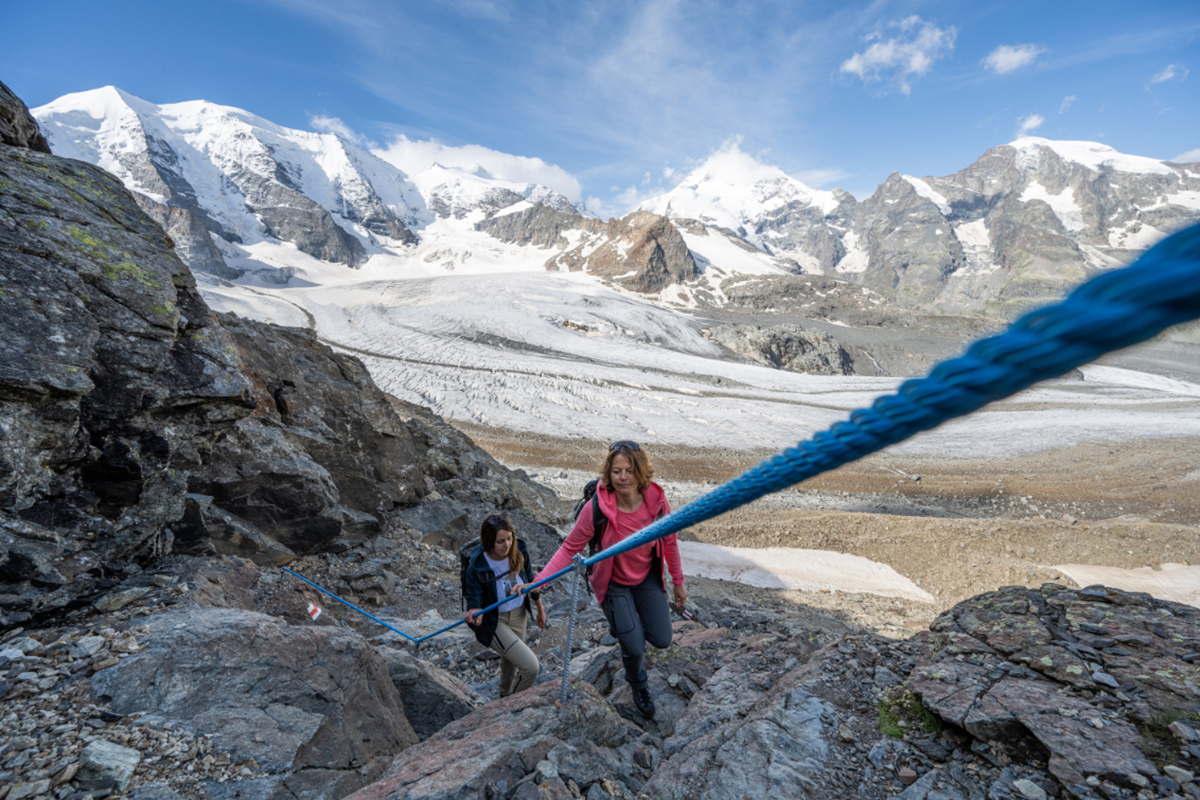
<point>518,664</point>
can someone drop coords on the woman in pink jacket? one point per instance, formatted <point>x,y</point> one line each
<point>630,588</point>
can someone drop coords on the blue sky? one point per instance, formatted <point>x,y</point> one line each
<point>625,97</point>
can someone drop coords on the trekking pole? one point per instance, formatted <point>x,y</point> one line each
<point>577,565</point>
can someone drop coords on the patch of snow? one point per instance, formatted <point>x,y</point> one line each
<point>929,193</point>
<point>1134,236</point>
<point>856,258</point>
<point>1187,199</point>
<point>1063,204</point>
<point>1179,583</point>
<point>794,568</point>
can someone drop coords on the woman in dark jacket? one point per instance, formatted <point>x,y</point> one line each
<point>499,563</point>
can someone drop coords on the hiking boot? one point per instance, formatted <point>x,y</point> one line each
<point>644,702</point>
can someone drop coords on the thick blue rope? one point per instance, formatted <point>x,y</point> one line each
<point>1113,310</point>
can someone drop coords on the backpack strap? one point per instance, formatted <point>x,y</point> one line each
<point>599,522</point>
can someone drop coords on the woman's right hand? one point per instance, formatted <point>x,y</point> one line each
<point>472,617</point>
<point>521,587</point>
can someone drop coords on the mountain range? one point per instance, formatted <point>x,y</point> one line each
<point>1016,228</point>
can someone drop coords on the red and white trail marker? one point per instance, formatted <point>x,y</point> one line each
<point>314,611</point>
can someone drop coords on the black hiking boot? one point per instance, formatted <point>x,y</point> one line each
<point>643,701</point>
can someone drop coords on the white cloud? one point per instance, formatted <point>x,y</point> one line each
<point>1066,103</point>
<point>416,156</point>
<point>909,54</point>
<point>1007,58</point>
<point>1171,72</point>
<point>1030,123</point>
<point>335,125</point>
<point>645,179</point>
<point>1190,157</point>
<point>628,198</point>
<point>819,178</point>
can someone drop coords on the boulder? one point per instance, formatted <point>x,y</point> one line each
<point>105,765</point>
<point>787,347</point>
<point>18,128</point>
<point>506,741</point>
<point>313,706</point>
<point>433,698</point>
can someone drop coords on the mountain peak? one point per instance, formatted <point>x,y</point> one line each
<point>1093,155</point>
<point>733,189</point>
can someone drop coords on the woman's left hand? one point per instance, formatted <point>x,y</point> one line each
<point>680,595</point>
<point>541,615</point>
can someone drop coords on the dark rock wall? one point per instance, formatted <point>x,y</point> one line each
<point>135,423</point>
<point>18,128</point>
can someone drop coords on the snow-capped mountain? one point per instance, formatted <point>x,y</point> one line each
<point>1018,227</point>
<point>238,176</point>
<point>760,204</point>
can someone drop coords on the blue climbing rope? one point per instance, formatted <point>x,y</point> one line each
<point>1111,311</point>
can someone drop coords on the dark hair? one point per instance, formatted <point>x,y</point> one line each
<point>487,537</point>
<point>642,470</point>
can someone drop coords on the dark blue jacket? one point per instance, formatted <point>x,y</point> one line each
<point>480,590</point>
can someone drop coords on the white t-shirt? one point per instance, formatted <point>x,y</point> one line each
<point>504,585</point>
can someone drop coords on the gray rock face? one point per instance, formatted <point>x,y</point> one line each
<point>18,128</point>
<point>505,741</point>
<point>642,251</point>
<point>104,765</point>
<point>313,706</point>
<point>787,347</point>
<point>433,698</point>
<point>190,234</point>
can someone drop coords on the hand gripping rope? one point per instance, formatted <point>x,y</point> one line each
<point>1109,312</point>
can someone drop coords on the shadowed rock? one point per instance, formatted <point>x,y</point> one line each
<point>313,706</point>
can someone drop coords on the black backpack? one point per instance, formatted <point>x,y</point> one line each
<point>599,521</point>
<point>464,563</point>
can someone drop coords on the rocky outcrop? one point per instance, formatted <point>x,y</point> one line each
<point>787,347</point>
<point>136,423</point>
<point>432,697</point>
<point>18,128</point>
<point>641,251</point>
<point>313,707</point>
<point>521,740</point>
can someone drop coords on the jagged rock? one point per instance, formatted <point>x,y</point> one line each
<point>506,740</point>
<point>441,522</point>
<point>113,372</point>
<point>787,347</point>
<point>313,706</point>
<point>189,228</point>
<point>105,765</point>
<point>118,600</point>
<point>642,251</point>
<point>18,128</point>
<point>432,697</point>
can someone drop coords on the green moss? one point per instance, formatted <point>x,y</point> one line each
<point>37,224</point>
<point>901,705</point>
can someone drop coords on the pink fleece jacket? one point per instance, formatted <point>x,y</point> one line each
<point>581,534</point>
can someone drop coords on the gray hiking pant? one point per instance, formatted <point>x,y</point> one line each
<point>636,615</point>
